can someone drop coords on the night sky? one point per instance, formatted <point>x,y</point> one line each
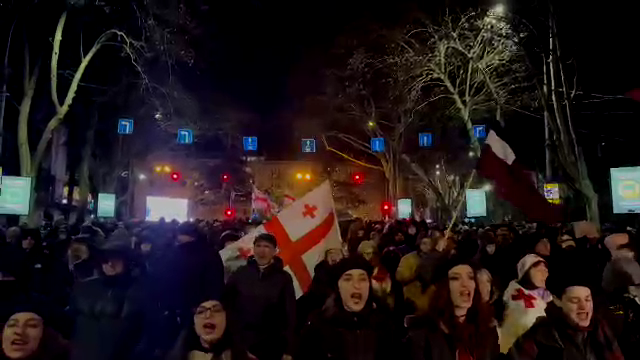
<point>268,55</point>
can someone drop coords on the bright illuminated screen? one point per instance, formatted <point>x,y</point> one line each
<point>106,205</point>
<point>404,208</point>
<point>15,194</point>
<point>167,208</point>
<point>625,190</point>
<point>476,203</point>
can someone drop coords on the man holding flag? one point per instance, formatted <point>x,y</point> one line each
<point>262,302</point>
<point>262,293</point>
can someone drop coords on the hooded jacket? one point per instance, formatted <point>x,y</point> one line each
<point>108,318</point>
<point>262,308</point>
<point>336,334</point>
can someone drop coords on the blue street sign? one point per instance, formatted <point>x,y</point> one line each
<point>479,131</point>
<point>125,126</point>
<point>250,143</point>
<point>425,139</point>
<point>308,145</point>
<point>185,136</point>
<point>377,144</point>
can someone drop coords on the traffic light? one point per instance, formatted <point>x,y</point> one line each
<point>226,178</point>
<point>358,178</point>
<point>175,176</point>
<point>230,213</point>
<point>386,208</point>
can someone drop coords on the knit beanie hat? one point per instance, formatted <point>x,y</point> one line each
<point>31,304</point>
<point>188,229</point>
<point>527,262</point>
<point>351,263</point>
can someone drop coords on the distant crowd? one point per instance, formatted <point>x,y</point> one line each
<point>395,290</point>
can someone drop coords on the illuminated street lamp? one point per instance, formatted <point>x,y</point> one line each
<point>158,169</point>
<point>487,187</point>
<point>371,124</point>
<point>307,177</point>
<point>299,176</point>
<point>471,154</point>
<point>166,168</point>
<point>142,176</point>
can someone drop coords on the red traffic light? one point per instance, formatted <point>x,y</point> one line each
<point>386,208</point>
<point>230,213</point>
<point>175,176</point>
<point>226,178</point>
<point>358,178</point>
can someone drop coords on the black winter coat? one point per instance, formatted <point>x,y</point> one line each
<point>108,318</point>
<point>430,342</point>
<point>186,274</point>
<point>552,337</point>
<point>336,334</point>
<point>262,305</point>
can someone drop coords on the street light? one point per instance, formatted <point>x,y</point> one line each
<point>142,176</point>
<point>498,9</point>
<point>307,177</point>
<point>166,168</point>
<point>471,154</point>
<point>371,124</point>
<point>299,176</point>
<point>487,187</point>
<point>158,169</point>
<point>438,172</point>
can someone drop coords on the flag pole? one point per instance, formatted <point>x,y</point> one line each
<point>462,199</point>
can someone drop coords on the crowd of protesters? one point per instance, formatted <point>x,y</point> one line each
<point>396,290</point>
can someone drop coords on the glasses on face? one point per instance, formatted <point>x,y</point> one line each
<point>203,311</point>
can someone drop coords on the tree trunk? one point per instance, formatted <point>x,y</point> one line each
<point>3,92</point>
<point>84,169</point>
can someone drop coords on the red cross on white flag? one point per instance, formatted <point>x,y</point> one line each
<point>304,231</point>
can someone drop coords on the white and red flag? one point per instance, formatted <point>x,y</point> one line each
<point>288,199</point>
<point>260,201</point>
<point>498,162</point>
<point>304,231</point>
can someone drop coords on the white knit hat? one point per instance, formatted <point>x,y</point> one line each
<point>526,262</point>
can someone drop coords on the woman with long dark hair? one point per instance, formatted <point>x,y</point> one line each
<point>351,325</point>
<point>208,337</point>
<point>458,325</point>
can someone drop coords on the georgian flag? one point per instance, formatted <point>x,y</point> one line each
<point>498,162</point>
<point>304,231</point>
<point>260,201</point>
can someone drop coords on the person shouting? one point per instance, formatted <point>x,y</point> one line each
<point>262,302</point>
<point>208,336</point>
<point>26,336</point>
<point>570,331</point>
<point>525,299</point>
<point>459,324</point>
<point>351,326</point>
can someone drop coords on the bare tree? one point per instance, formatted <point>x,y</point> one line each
<point>376,99</point>
<point>30,162</point>
<point>474,60</point>
<point>557,98</point>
